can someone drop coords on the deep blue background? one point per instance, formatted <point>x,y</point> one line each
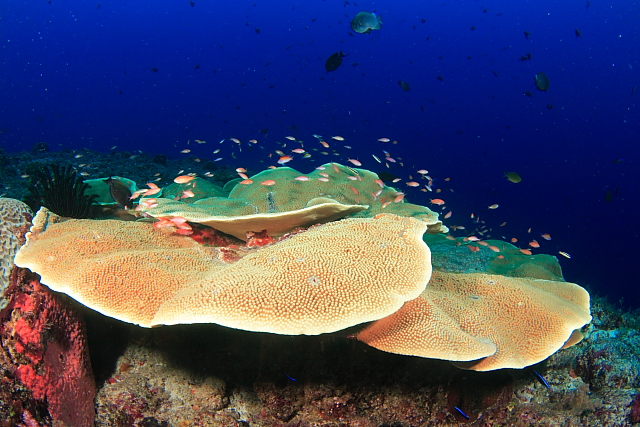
<point>65,63</point>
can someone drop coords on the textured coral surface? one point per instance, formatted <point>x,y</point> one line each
<point>44,347</point>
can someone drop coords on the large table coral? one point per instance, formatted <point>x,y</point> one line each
<point>329,275</point>
<point>327,278</point>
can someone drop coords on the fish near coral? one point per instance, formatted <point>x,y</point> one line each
<point>120,193</point>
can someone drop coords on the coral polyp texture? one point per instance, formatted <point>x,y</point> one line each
<point>484,322</point>
<point>327,278</point>
<point>15,219</point>
<point>46,341</point>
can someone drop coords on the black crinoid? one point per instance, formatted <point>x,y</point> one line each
<point>62,191</point>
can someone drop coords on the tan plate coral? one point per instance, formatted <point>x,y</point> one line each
<point>488,321</point>
<point>328,278</point>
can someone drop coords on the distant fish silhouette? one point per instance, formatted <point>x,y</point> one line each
<point>334,61</point>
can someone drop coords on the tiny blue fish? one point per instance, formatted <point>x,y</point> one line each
<point>461,412</point>
<point>541,379</point>
<point>292,379</point>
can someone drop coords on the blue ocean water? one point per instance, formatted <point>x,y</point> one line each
<point>155,76</point>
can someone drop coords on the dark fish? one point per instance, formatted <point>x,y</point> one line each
<point>473,28</point>
<point>550,106</point>
<point>197,66</point>
<point>495,73</point>
<point>440,78</point>
<point>461,412</point>
<point>192,3</point>
<point>527,34</point>
<point>154,69</point>
<point>404,85</point>
<point>257,30</point>
<point>513,177</point>
<point>541,379</point>
<point>526,57</point>
<point>633,91</point>
<point>618,161</point>
<point>120,193</point>
<point>578,33</point>
<point>365,22</point>
<point>542,82</point>
<point>387,176</point>
<point>529,94</point>
<point>334,61</point>
<point>588,4</point>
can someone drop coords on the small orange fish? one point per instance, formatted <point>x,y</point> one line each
<point>355,162</point>
<point>325,144</point>
<point>534,244</point>
<point>338,138</point>
<point>399,198</point>
<point>284,159</point>
<point>503,224</point>
<point>526,251</point>
<point>253,141</point>
<point>494,248</point>
<point>448,215</point>
<point>186,194</point>
<point>268,182</point>
<point>150,192</point>
<point>384,139</point>
<point>243,170</point>
<point>474,248</point>
<point>200,141</point>
<point>438,202</point>
<point>480,242</point>
<point>546,236</point>
<point>246,182</point>
<point>302,178</point>
<point>514,240</point>
<point>355,190</point>
<point>413,184</point>
<point>183,179</point>
<point>380,183</point>
<point>243,175</point>
<point>185,151</point>
<point>500,256</point>
<point>298,150</point>
<point>423,172</point>
<point>450,237</point>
